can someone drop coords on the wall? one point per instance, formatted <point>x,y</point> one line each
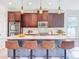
<point>3,29</point>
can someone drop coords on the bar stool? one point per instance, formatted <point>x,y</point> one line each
<point>48,45</point>
<point>12,45</point>
<point>30,45</point>
<point>67,45</point>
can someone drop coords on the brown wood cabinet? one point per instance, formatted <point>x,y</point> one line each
<point>56,20</point>
<point>39,16</point>
<point>43,17</point>
<point>34,21</point>
<point>50,20</point>
<point>10,16</point>
<point>29,20</point>
<point>14,16</point>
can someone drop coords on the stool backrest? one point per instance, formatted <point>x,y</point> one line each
<point>48,44</point>
<point>30,44</point>
<point>67,44</point>
<point>11,44</point>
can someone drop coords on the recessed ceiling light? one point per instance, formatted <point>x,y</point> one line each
<point>30,3</point>
<point>10,3</point>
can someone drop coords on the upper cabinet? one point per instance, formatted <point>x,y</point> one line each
<point>56,20</point>
<point>43,16</point>
<point>50,20</point>
<point>32,19</point>
<point>14,16</point>
<point>29,20</point>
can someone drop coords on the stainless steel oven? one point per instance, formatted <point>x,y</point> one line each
<point>14,28</point>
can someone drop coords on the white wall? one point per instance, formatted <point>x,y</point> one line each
<point>3,29</point>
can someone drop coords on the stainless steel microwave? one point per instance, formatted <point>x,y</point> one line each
<point>42,24</point>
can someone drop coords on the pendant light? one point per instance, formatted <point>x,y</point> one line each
<point>22,11</point>
<point>59,8</point>
<point>40,10</point>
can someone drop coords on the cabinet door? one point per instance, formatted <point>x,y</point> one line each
<point>56,20</point>
<point>17,16</point>
<point>39,16</point>
<point>14,16</point>
<point>50,20</point>
<point>11,16</point>
<point>43,16</point>
<point>33,21</point>
<point>26,20</point>
<point>29,20</point>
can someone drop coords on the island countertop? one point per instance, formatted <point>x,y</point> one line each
<point>58,37</point>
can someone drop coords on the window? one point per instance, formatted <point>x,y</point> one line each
<point>71,31</point>
<point>71,26</point>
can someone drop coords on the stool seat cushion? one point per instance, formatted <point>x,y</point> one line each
<point>30,44</point>
<point>12,44</point>
<point>48,44</point>
<point>67,44</point>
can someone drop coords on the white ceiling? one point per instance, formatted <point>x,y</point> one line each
<point>46,4</point>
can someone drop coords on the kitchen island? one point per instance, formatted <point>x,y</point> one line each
<point>38,52</point>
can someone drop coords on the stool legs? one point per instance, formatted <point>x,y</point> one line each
<point>14,53</point>
<point>47,54</point>
<point>31,54</point>
<point>64,53</point>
